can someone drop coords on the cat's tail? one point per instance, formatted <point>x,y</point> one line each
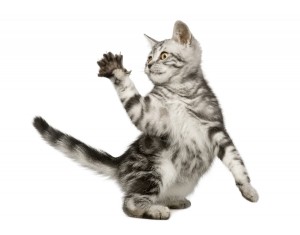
<point>87,156</point>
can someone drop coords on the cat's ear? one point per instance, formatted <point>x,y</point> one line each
<point>181,33</point>
<point>151,40</point>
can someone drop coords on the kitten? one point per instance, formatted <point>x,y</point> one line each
<point>182,131</point>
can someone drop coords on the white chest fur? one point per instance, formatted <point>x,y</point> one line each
<point>186,130</point>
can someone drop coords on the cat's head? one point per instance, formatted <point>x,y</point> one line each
<point>173,59</point>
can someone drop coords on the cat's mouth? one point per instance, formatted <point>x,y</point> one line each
<point>156,72</point>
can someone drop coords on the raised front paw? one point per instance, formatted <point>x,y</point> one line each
<point>109,63</point>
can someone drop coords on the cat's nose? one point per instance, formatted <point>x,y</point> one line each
<point>150,65</point>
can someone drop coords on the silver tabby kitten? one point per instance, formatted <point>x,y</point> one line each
<point>182,131</point>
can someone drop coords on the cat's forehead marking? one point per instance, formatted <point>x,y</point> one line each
<point>158,46</point>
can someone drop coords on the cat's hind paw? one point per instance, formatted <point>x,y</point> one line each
<point>157,212</point>
<point>178,204</point>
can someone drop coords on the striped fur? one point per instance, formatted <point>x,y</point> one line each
<point>87,156</point>
<point>182,131</point>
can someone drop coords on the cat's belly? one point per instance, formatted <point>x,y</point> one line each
<point>192,149</point>
<point>189,156</point>
<point>181,175</point>
<point>179,190</point>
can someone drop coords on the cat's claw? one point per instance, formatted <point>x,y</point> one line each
<point>109,63</point>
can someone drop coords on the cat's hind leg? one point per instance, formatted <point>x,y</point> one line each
<point>142,186</point>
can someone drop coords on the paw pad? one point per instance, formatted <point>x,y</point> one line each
<point>109,63</point>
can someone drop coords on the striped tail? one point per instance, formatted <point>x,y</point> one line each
<point>87,156</point>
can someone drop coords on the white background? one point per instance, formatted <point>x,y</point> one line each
<point>48,54</point>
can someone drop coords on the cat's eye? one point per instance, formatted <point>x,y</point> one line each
<point>164,55</point>
<point>149,59</point>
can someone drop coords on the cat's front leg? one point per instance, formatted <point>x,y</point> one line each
<point>147,113</point>
<point>228,154</point>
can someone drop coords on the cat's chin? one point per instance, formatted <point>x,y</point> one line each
<point>158,78</point>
